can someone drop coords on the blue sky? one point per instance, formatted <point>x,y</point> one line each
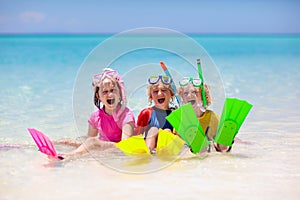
<point>113,16</point>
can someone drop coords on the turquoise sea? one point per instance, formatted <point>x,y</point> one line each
<point>45,83</point>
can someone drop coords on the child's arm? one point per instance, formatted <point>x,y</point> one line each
<point>92,132</point>
<point>127,130</point>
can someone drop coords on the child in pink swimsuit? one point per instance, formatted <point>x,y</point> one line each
<point>113,121</point>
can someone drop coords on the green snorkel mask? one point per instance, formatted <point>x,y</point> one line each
<point>186,80</point>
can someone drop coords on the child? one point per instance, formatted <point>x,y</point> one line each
<point>151,119</point>
<point>189,91</point>
<point>113,121</point>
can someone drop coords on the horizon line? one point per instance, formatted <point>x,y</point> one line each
<point>114,33</point>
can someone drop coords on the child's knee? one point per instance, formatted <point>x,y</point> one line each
<point>153,131</point>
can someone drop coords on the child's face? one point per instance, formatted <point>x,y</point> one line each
<point>109,95</point>
<point>161,95</point>
<point>191,94</point>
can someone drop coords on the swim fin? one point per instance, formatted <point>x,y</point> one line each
<point>134,146</point>
<point>168,144</point>
<point>185,122</point>
<point>43,143</point>
<point>233,115</point>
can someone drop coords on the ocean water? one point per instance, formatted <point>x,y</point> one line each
<point>45,83</point>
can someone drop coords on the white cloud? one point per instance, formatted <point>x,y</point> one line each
<point>32,17</point>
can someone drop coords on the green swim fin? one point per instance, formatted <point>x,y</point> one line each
<point>168,144</point>
<point>185,121</point>
<point>233,115</point>
<point>134,146</point>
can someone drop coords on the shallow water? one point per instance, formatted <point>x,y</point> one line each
<point>36,87</point>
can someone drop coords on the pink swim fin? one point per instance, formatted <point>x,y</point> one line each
<point>44,143</point>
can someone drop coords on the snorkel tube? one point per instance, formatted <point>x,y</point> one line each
<point>202,83</point>
<point>164,67</point>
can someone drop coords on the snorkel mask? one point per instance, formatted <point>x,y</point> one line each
<point>164,79</point>
<point>186,80</point>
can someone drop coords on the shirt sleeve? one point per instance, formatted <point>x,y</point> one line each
<point>126,117</point>
<point>142,121</point>
<point>144,117</point>
<point>94,119</point>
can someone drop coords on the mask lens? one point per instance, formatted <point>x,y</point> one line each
<point>99,77</point>
<point>166,79</point>
<point>153,79</point>
<point>96,79</point>
<point>197,82</point>
<point>184,81</point>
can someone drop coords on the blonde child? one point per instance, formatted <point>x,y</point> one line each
<point>189,91</point>
<point>151,119</point>
<point>112,121</point>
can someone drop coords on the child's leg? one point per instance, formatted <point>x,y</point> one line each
<point>152,138</point>
<point>72,143</point>
<point>89,144</point>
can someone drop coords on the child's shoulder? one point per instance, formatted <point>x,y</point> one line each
<point>211,114</point>
<point>146,110</point>
<point>127,109</point>
<point>144,116</point>
<point>96,112</point>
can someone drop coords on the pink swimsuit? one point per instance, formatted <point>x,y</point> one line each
<point>108,128</point>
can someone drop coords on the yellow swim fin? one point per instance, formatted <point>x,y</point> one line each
<point>134,146</point>
<point>168,144</point>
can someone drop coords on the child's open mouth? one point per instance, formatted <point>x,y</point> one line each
<point>192,102</point>
<point>161,100</point>
<point>110,101</point>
